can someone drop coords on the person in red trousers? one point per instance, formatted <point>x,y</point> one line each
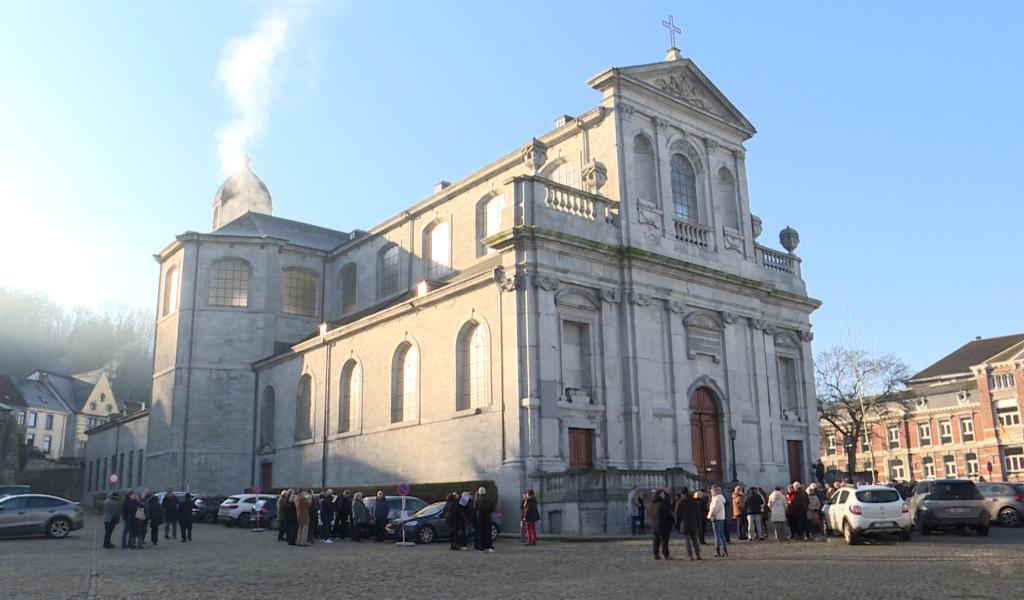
<point>531,515</point>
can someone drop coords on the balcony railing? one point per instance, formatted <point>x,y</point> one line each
<point>692,233</point>
<point>570,200</point>
<point>780,262</point>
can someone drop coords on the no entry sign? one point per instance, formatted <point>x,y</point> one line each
<point>403,489</point>
<point>113,478</point>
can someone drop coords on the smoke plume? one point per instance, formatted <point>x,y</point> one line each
<point>248,71</point>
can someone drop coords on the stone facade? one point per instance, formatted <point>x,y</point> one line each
<point>563,308</point>
<point>117,446</point>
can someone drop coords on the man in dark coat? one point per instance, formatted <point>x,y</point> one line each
<point>799,514</point>
<point>531,514</point>
<point>342,514</point>
<point>290,519</point>
<point>170,506</point>
<point>128,507</point>
<point>111,515</point>
<point>185,517</point>
<point>688,518</point>
<point>661,522</point>
<point>453,519</point>
<point>155,512</point>
<point>282,507</point>
<point>484,507</point>
<point>381,508</point>
<point>326,516</point>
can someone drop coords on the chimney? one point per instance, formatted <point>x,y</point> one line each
<point>977,337</point>
<point>564,120</point>
<point>442,185</point>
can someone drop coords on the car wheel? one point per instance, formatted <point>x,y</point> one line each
<point>244,519</point>
<point>848,534</point>
<point>1009,517</point>
<point>425,535</point>
<point>982,530</point>
<point>494,532</point>
<point>905,535</point>
<point>58,528</point>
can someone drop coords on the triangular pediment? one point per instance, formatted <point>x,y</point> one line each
<point>681,81</point>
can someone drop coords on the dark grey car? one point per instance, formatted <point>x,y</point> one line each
<point>1005,502</point>
<point>39,514</point>
<point>953,503</point>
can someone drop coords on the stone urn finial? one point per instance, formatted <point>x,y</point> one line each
<point>789,238</point>
<point>756,226</point>
<point>595,175</point>
<point>535,154</point>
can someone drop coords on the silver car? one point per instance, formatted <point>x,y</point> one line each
<point>1005,502</point>
<point>948,503</point>
<point>35,514</point>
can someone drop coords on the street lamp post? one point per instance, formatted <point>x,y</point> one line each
<point>732,443</point>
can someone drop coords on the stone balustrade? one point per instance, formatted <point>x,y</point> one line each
<point>693,233</point>
<point>563,198</point>
<point>780,262</point>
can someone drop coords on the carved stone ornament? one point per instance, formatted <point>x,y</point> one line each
<point>640,299</point>
<point>628,110</point>
<point>679,86</point>
<point>694,157</point>
<point>739,155</point>
<point>610,295</point>
<point>728,317</point>
<point>789,238</point>
<point>771,330</point>
<point>712,146</point>
<point>646,216</point>
<point>675,306</point>
<point>756,226</point>
<point>806,335</point>
<point>595,175</point>
<point>734,242</point>
<point>535,154</point>
<point>758,324</point>
<point>546,283</point>
<point>662,124</point>
<point>503,283</point>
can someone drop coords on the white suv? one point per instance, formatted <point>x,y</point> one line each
<point>237,510</point>
<point>866,510</point>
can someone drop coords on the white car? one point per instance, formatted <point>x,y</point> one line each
<point>868,510</point>
<point>237,509</point>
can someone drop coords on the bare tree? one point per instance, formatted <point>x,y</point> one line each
<point>853,387</point>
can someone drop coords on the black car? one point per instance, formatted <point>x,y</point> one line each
<point>428,525</point>
<point>205,508</point>
<point>264,514</point>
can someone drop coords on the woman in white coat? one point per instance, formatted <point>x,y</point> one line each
<point>777,508</point>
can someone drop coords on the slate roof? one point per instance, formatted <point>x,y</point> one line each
<point>301,234</point>
<point>972,353</point>
<point>9,393</point>
<point>38,395</point>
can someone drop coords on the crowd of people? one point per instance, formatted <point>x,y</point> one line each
<point>146,512</point>
<point>748,514</point>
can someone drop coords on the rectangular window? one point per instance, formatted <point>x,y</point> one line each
<point>894,436</point>
<point>49,423</point>
<point>131,467</point>
<point>21,417</point>
<point>1000,381</point>
<point>32,417</point>
<point>113,469</point>
<point>830,445</point>
<point>924,431</point>
<point>229,283</point>
<point>949,466</point>
<point>971,462</point>
<point>928,467</point>
<point>865,442</point>
<point>30,439</point>
<point>1014,460</point>
<point>440,258</point>
<point>896,472</point>
<point>349,288</point>
<point>47,443</point>
<point>139,480</point>
<point>105,473</point>
<point>492,217</point>
<point>388,272</point>
<point>120,467</point>
<point>967,429</point>
<point>1008,417</point>
<point>88,480</point>
<point>867,466</point>
<point>787,383</point>
<point>945,432</point>
<point>575,359</point>
<point>581,448</point>
<point>299,292</point>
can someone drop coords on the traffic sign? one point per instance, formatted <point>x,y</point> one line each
<point>988,466</point>
<point>403,489</point>
<point>113,478</point>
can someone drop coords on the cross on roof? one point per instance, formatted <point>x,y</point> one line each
<point>672,30</point>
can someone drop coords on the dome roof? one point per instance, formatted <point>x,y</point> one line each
<point>243,183</point>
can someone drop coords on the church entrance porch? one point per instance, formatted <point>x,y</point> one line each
<point>705,434</point>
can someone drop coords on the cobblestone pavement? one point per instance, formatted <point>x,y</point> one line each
<point>237,563</point>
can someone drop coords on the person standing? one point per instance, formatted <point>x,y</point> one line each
<point>799,505</point>
<point>522,518</point>
<point>302,507</point>
<point>381,508</point>
<point>777,510</point>
<point>327,516</point>
<point>716,514</point>
<point>155,512</point>
<point>739,512</point>
<point>185,517</point>
<point>687,515</point>
<point>661,522</point>
<point>170,506</point>
<point>754,506</point>
<point>139,521</point>
<point>342,514</point>
<point>819,472</point>
<point>813,510</point>
<point>111,515</point>
<point>633,509</point>
<point>128,507</point>
<point>314,517</point>
<point>484,506</point>
<point>453,519</point>
<point>466,517</point>
<point>705,502</point>
<point>282,509</point>
<point>360,517</point>
<point>641,507</point>
<point>532,516</point>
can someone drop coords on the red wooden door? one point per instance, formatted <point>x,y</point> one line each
<point>581,448</point>
<point>795,449</point>
<point>704,432</point>
<point>266,475</point>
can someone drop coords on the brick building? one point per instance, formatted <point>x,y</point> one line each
<point>964,420</point>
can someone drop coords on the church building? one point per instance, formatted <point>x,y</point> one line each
<point>590,312</point>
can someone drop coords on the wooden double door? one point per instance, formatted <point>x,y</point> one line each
<point>705,434</point>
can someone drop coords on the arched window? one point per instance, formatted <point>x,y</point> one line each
<point>349,290</point>
<point>472,365</point>
<point>646,170</point>
<point>437,250</point>
<point>727,198</point>
<point>229,283</point>
<point>170,303</point>
<point>304,409</point>
<point>388,271</point>
<point>404,378</point>
<point>299,294</point>
<point>268,415</point>
<point>488,221</point>
<point>350,395</point>
<point>566,173</point>
<point>684,188</point>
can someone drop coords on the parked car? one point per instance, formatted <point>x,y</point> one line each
<point>412,505</point>
<point>39,514</point>
<point>1005,502</point>
<point>868,510</point>
<point>10,490</point>
<point>237,509</point>
<point>204,509</point>
<point>264,513</point>
<point>948,503</point>
<point>428,525</point>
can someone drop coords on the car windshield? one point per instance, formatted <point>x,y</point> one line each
<point>430,510</point>
<point>878,496</point>
<point>1019,487</point>
<point>954,490</point>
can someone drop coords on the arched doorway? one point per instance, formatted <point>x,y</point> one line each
<point>704,434</point>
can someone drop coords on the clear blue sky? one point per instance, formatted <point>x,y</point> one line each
<point>889,134</point>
